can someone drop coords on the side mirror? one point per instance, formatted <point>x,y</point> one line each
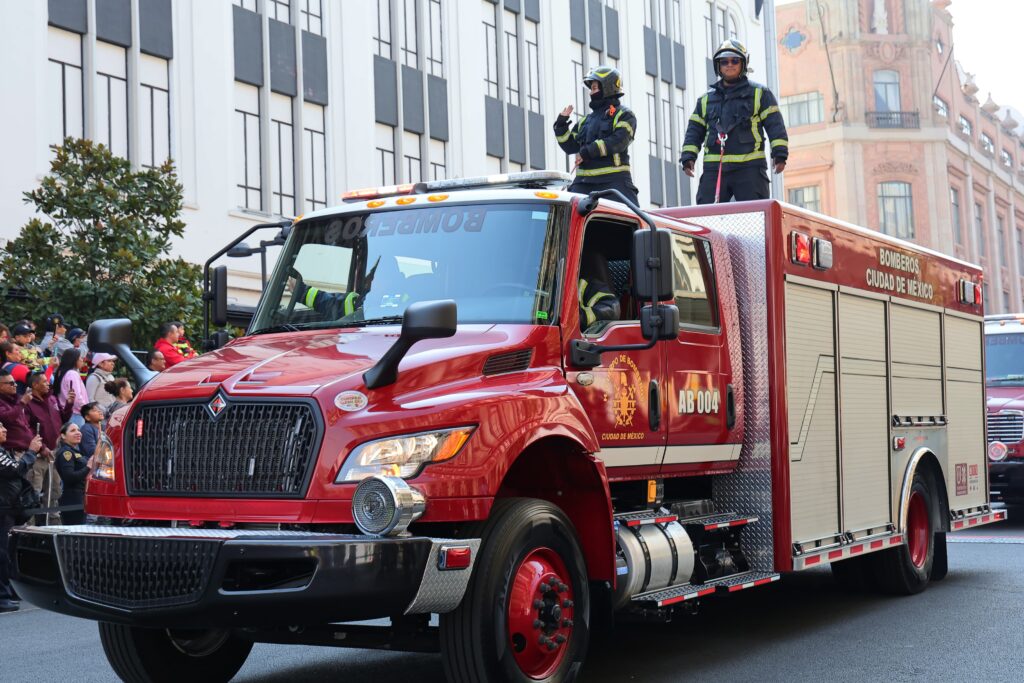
<point>115,336</point>
<point>422,320</point>
<point>661,322</point>
<point>219,296</point>
<point>658,262</point>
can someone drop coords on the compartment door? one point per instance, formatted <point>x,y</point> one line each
<point>811,398</point>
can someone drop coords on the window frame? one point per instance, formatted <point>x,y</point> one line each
<point>882,203</point>
<point>706,260</point>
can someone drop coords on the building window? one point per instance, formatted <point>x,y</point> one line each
<point>312,15</point>
<point>66,104</point>
<point>491,48</point>
<point>282,159</point>
<point>1000,238</point>
<point>385,136</point>
<point>954,201</point>
<point>512,95</point>
<point>411,152</point>
<point>806,197</point>
<point>314,155</point>
<point>532,66</point>
<point>887,90</point>
<point>279,10</point>
<point>577,76</point>
<point>247,4</point>
<point>438,159</point>
<point>939,46</point>
<point>965,126</point>
<point>652,117</point>
<point>979,231</point>
<point>1006,159</point>
<point>1006,302</point>
<point>800,110</point>
<point>154,112</point>
<point>1020,252</point>
<point>435,36</point>
<point>111,95</point>
<point>382,35</point>
<point>666,124</point>
<point>410,45</point>
<point>248,179</point>
<point>896,209</point>
<point>691,273</point>
<point>987,145</point>
<point>940,106</point>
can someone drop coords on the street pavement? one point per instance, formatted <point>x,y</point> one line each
<point>967,627</point>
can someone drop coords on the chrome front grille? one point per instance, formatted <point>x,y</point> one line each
<point>1007,427</point>
<point>222,447</point>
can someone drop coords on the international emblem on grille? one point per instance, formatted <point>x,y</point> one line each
<point>625,379</point>
<point>216,406</point>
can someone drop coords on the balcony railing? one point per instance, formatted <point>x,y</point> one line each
<point>894,119</point>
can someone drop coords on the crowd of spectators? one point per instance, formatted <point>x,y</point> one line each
<point>55,399</point>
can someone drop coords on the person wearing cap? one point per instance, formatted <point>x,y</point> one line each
<point>735,122</point>
<point>56,330</point>
<point>601,139</point>
<point>74,339</point>
<point>31,354</point>
<point>101,373</point>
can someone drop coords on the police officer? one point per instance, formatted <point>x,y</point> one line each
<point>600,140</point>
<point>73,467</point>
<point>728,122</point>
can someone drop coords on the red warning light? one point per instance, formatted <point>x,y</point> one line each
<point>801,249</point>
<point>977,294</point>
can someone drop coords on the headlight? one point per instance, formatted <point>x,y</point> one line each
<point>103,460</point>
<point>402,456</point>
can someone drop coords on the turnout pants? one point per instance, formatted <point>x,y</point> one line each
<point>623,182</point>
<point>739,184</point>
<point>44,479</point>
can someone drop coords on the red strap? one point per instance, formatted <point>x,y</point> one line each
<point>722,137</point>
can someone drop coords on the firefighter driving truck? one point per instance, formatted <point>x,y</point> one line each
<point>423,419</point>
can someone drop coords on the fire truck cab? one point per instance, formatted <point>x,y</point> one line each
<point>426,417</point>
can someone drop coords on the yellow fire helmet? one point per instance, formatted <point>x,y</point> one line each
<point>732,48</point>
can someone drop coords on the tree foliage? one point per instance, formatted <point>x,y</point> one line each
<point>103,249</point>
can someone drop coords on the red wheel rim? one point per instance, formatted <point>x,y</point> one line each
<point>540,613</point>
<point>918,531</point>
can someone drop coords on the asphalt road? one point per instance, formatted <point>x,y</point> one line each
<point>966,628</point>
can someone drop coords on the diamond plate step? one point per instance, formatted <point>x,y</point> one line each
<point>688,591</point>
<point>645,517</point>
<point>721,520</point>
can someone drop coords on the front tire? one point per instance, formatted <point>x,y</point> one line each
<point>526,612</point>
<point>145,655</point>
<point>907,569</point>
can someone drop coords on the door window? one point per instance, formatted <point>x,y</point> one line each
<point>692,273</point>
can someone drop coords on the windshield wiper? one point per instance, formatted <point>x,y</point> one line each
<point>385,320</point>
<point>283,327</point>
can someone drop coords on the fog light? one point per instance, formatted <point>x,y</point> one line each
<point>386,506</point>
<point>997,451</point>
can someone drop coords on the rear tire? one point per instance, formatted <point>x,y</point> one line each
<point>496,632</point>
<point>906,570</point>
<point>148,655</point>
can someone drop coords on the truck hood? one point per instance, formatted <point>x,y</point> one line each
<point>301,363</point>
<point>1004,398</point>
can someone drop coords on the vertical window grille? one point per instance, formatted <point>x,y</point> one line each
<point>282,160</point>
<point>382,34</point>
<point>385,137</point>
<point>666,120</point>
<point>435,53</point>
<point>896,209</point>
<point>154,111</point>
<point>532,67</point>
<point>722,25</point>
<point>312,15</point>
<point>954,201</point>
<point>248,180</point>
<point>112,97</point>
<point>709,28</point>
<point>64,73</point>
<point>652,117</point>
<point>314,155</point>
<point>279,10</point>
<point>512,94</point>
<point>491,48</point>
<point>410,44</point>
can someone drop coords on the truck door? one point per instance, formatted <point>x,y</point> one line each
<point>624,396</point>
<point>698,368</point>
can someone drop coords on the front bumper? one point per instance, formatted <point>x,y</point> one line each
<point>189,578</point>
<point>1006,481</point>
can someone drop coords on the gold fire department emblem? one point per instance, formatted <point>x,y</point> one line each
<point>625,378</point>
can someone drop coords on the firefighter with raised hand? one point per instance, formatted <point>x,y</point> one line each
<point>734,121</point>
<point>600,140</point>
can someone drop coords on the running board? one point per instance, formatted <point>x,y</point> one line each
<point>722,520</point>
<point>687,591</point>
<point>633,519</point>
<point>977,519</point>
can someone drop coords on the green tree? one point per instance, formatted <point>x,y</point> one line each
<point>103,250</point>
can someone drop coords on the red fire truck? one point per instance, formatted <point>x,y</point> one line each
<point>427,417</point>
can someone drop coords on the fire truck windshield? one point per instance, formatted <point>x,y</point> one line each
<point>1004,358</point>
<point>497,261</point>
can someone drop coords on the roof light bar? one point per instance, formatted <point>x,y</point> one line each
<point>531,180</point>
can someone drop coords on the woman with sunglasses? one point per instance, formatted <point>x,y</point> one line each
<point>736,121</point>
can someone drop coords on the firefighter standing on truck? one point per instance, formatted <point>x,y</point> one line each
<point>600,140</point>
<point>728,122</point>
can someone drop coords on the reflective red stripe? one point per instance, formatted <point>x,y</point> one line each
<point>876,544</point>
<point>857,549</point>
<point>813,559</point>
<point>834,554</point>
